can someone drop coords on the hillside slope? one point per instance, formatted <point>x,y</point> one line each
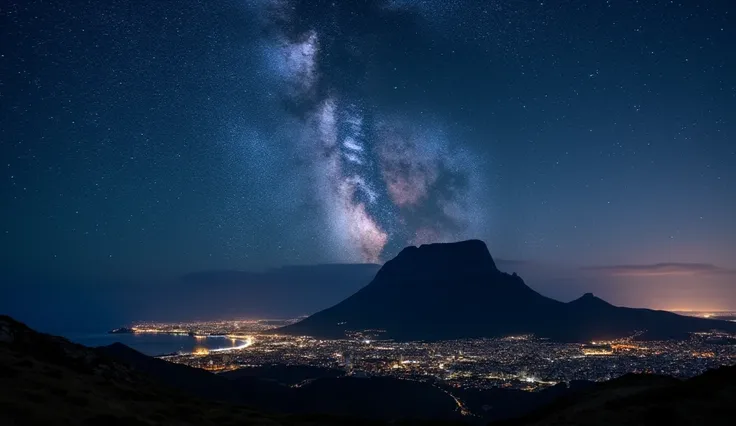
<point>707,399</point>
<point>47,380</point>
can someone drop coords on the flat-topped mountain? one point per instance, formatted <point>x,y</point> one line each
<point>455,290</point>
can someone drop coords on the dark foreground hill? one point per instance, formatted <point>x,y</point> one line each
<point>707,399</point>
<point>300,390</point>
<point>450,291</point>
<point>48,380</point>
<point>499,403</point>
<point>288,375</point>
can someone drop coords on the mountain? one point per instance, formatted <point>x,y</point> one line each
<point>644,400</point>
<point>455,290</point>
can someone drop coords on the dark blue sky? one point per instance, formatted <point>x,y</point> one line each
<point>149,141</point>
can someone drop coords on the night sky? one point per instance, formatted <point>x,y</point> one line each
<point>591,144</point>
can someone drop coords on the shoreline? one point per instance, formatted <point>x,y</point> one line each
<point>160,345</point>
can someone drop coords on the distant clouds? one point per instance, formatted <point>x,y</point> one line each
<point>662,269</point>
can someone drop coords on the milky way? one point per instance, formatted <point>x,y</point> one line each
<point>171,137</point>
<point>379,174</point>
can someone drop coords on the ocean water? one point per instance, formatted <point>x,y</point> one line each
<point>152,344</point>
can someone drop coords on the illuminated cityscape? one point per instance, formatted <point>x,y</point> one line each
<point>517,362</point>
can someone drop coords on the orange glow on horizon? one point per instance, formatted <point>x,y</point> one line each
<point>695,311</point>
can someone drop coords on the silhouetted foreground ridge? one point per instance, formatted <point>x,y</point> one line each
<point>48,380</point>
<point>707,399</point>
<point>449,291</point>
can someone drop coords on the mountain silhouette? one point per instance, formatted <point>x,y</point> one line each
<point>455,290</point>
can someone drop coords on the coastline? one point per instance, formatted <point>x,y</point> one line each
<point>154,344</point>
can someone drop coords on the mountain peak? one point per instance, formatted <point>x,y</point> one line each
<point>589,299</point>
<point>588,296</point>
<point>461,253</point>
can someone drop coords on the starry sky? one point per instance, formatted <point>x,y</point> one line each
<point>589,142</point>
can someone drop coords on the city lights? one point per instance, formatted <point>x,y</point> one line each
<point>520,362</point>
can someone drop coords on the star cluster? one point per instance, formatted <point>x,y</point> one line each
<point>380,173</point>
